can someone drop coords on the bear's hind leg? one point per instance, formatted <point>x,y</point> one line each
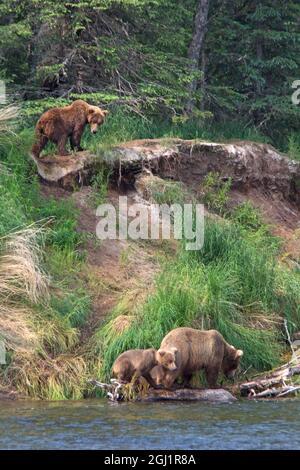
<point>39,145</point>
<point>61,145</point>
<point>76,138</point>
<point>212,374</point>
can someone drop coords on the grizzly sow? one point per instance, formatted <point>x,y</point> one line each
<point>135,363</point>
<point>60,124</point>
<point>186,350</point>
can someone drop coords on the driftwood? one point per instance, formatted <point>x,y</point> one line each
<point>119,392</point>
<point>114,390</point>
<point>275,384</point>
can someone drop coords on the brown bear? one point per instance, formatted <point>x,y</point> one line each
<point>60,124</point>
<point>158,375</point>
<point>184,351</point>
<point>135,363</point>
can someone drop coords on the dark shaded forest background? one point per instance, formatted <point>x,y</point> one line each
<point>216,62</point>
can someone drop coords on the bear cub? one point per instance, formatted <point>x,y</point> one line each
<point>135,363</point>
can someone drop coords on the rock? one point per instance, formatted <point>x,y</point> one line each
<point>9,395</point>
<point>188,394</point>
<point>69,171</point>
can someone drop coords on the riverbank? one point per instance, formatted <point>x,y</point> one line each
<point>86,301</point>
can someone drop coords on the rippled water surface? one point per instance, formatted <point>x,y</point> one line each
<point>98,424</point>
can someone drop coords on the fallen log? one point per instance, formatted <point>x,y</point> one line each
<point>116,391</point>
<point>274,392</point>
<point>277,383</point>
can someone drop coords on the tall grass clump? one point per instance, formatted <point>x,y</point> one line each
<point>293,149</point>
<point>22,284</point>
<point>40,314</point>
<point>39,330</point>
<point>233,284</point>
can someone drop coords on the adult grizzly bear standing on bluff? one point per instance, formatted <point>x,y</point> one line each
<point>59,124</point>
<point>185,351</point>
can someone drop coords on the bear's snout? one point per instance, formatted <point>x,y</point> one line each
<point>94,129</point>
<point>231,374</point>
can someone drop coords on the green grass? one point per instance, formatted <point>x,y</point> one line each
<point>215,192</point>
<point>122,125</point>
<point>233,284</point>
<point>99,186</point>
<point>44,373</point>
<point>294,147</point>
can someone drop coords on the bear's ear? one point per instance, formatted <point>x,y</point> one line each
<point>174,350</point>
<point>239,353</point>
<point>105,112</point>
<point>161,352</point>
<point>91,111</point>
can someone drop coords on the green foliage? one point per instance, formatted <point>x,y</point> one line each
<point>246,215</point>
<point>134,53</point>
<point>232,284</point>
<point>63,220</point>
<point>294,147</point>
<point>99,185</point>
<point>216,192</point>
<point>73,307</point>
<point>167,192</point>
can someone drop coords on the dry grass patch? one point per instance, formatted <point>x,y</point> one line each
<point>22,284</point>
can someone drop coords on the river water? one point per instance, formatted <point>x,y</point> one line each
<point>98,424</point>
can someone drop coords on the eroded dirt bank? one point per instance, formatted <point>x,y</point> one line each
<point>124,270</point>
<point>258,173</point>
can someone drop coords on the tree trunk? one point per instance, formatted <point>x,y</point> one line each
<point>259,56</point>
<point>202,81</point>
<point>195,49</point>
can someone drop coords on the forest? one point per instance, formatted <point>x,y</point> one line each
<point>218,64</point>
<point>214,70</point>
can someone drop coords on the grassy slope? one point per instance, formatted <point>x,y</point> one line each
<point>234,284</point>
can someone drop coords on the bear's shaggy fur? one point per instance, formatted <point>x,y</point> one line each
<point>60,124</point>
<point>135,363</point>
<point>184,351</point>
<point>158,375</point>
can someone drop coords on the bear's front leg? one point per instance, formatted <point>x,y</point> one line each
<point>187,381</point>
<point>212,374</point>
